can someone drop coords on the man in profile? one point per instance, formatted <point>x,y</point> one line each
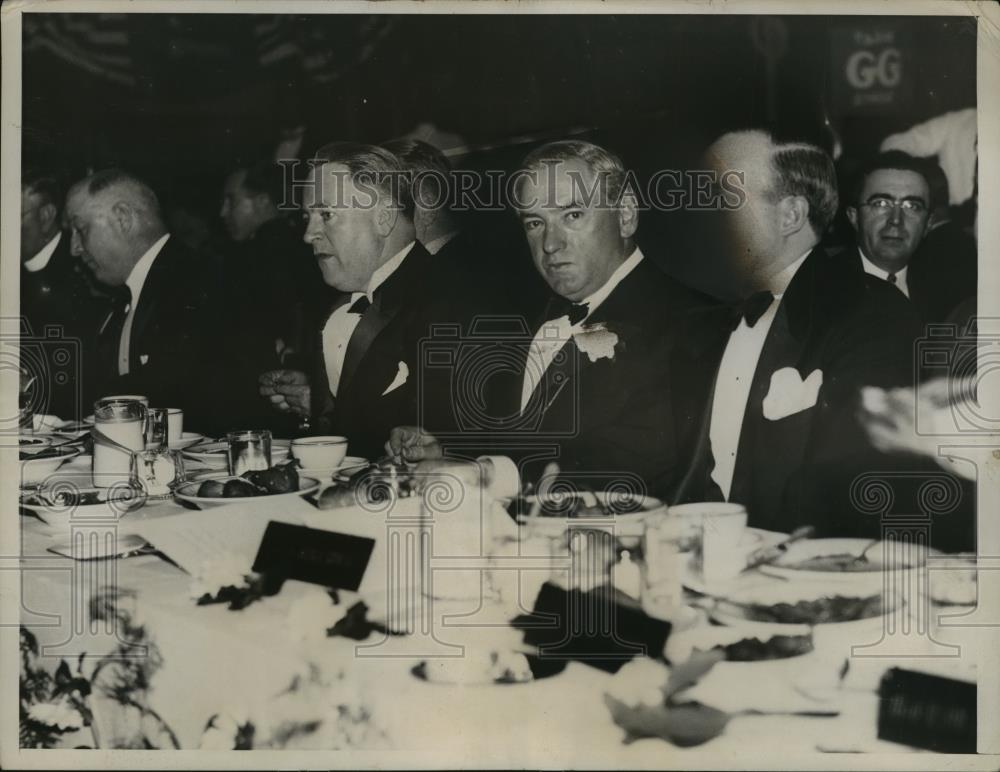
<point>361,230</point>
<point>780,434</point>
<point>159,338</point>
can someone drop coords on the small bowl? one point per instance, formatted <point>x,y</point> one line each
<point>320,452</point>
<point>62,503</point>
<point>34,470</point>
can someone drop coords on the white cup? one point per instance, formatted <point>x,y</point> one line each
<point>321,453</point>
<point>722,555</point>
<point>175,424</point>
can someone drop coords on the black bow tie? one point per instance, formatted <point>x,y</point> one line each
<point>360,305</point>
<point>752,308</point>
<point>561,307</point>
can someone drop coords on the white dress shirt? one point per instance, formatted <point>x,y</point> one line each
<point>554,334</point>
<point>732,384</point>
<point>340,326</point>
<point>135,281</point>
<point>874,270</point>
<point>42,257</point>
<point>436,245</point>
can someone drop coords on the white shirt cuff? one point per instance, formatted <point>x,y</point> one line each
<point>505,480</point>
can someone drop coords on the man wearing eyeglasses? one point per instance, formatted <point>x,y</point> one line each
<point>891,214</point>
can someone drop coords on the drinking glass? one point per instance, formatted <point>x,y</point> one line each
<point>156,428</point>
<point>157,470</point>
<point>123,422</point>
<point>248,450</point>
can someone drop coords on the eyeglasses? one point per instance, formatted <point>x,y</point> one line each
<point>910,206</point>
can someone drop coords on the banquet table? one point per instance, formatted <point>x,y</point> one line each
<point>213,660</point>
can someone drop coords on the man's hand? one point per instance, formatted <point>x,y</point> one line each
<point>288,390</point>
<point>411,443</point>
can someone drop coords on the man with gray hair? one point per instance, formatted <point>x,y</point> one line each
<point>156,341</point>
<point>590,390</point>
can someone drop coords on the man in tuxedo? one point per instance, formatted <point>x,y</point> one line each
<point>58,304</point>
<point>158,339</point>
<point>780,434</point>
<point>591,389</point>
<point>899,212</point>
<point>362,234</point>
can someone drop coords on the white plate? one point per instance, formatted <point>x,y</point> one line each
<point>879,556</point>
<point>186,440</point>
<point>187,492</point>
<point>35,470</point>
<point>96,549</point>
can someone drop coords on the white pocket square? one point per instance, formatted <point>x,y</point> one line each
<point>401,375</point>
<point>143,358</point>
<point>789,394</point>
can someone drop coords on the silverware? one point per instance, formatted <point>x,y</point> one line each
<point>772,553</point>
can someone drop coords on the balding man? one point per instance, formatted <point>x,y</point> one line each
<point>158,340</point>
<point>780,433</point>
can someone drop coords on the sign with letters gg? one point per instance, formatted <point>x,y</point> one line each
<point>870,72</point>
<point>309,555</point>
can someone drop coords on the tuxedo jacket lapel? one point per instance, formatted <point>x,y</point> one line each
<point>396,293</point>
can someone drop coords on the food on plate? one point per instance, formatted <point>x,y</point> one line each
<point>238,489</point>
<point>776,647</point>
<point>283,478</point>
<point>837,608</point>
<point>582,505</point>
<point>841,562</point>
<point>211,489</point>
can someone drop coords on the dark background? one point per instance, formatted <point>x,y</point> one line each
<point>178,98</point>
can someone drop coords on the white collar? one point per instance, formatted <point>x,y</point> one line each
<point>386,270</point>
<point>781,280</point>
<point>137,276</point>
<point>597,297</point>
<point>874,270</point>
<point>42,257</point>
<point>436,245</point>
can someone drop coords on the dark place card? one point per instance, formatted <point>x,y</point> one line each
<point>601,628</point>
<point>310,555</point>
<point>927,711</point>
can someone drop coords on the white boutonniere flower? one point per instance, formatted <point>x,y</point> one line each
<point>596,341</point>
<point>789,393</point>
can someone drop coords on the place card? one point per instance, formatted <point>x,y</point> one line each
<point>326,558</point>
<point>927,711</point>
<point>601,627</point>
